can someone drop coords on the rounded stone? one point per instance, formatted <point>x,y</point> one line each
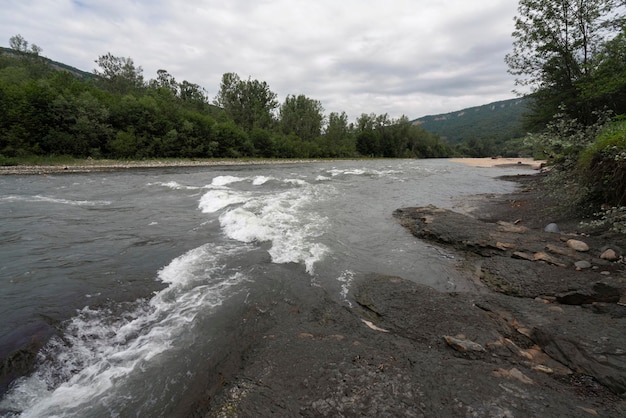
<point>582,264</point>
<point>577,245</point>
<point>609,255</point>
<point>552,227</point>
<point>618,251</point>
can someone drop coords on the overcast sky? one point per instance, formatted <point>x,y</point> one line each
<point>415,58</point>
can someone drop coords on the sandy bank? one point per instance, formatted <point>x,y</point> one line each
<point>496,162</point>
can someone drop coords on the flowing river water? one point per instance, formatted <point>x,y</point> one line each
<point>124,282</point>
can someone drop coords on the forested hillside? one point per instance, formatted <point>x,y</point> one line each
<point>48,108</point>
<point>481,131</point>
<point>54,64</point>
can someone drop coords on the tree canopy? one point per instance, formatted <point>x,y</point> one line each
<point>558,51</point>
<point>119,74</point>
<point>18,43</point>
<point>249,103</point>
<point>117,113</point>
<point>572,56</point>
<point>301,116</point>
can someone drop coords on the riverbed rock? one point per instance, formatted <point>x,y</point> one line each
<point>541,256</point>
<point>615,310</point>
<point>582,264</point>
<point>598,292</point>
<point>609,255</point>
<point>553,228</point>
<point>601,358</point>
<point>462,344</point>
<point>577,245</point>
<point>509,227</point>
<point>617,249</point>
<point>560,250</point>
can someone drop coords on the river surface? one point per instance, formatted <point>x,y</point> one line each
<point>124,282</point>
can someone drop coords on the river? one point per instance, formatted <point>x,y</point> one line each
<point>124,282</point>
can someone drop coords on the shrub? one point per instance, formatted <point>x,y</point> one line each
<point>603,165</point>
<point>562,143</point>
<point>614,218</point>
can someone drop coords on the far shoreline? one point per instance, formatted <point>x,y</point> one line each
<point>500,162</point>
<point>90,166</point>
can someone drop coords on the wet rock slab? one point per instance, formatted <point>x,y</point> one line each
<point>518,261</point>
<point>391,355</point>
<point>539,337</point>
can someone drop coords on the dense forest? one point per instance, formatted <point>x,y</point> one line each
<point>48,108</point>
<point>482,131</point>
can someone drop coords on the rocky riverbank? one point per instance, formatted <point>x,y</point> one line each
<point>541,335</point>
<point>92,166</point>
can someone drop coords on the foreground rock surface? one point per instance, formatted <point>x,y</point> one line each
<point>325,360</point>
<point>518,261</point>
<point>538,337</point>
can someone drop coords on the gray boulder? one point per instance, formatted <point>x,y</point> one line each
<point>552,227</point>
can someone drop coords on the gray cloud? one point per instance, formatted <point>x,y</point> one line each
<point>397,57</point>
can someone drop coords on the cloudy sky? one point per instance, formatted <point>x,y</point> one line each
<point>399,57</point>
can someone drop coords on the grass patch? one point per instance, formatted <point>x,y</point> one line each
<point>603,165</point>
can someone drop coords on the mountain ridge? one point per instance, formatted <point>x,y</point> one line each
<point>498,121</point>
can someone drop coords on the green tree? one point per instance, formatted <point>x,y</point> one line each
<point>553,51</point>
<point>337,128</point>
<point>78,126</point>
<point>232,140</point>
<point>250,103</point>
<point>19,44</point>
<point>394,135</point>
<point>119,74</point>
<point>263,142</point>
<point>291,146</point>
<point>197,135</point>
<point>165,81</point>
<point>192,93</point>
<point>338,139</point>
<point>301,116</point>
<point>423,144</point>
<point>607,86</point>
<point>126,144</point>
<point>367,138</point>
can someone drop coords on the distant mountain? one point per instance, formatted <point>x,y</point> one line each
<point>55,64</point>
<point>498,121</point>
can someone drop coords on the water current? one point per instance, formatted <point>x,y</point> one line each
<point>124,283</point>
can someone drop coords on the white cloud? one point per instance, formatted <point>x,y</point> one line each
<point>394,56</point>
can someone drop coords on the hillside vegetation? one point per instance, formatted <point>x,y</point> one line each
<point>572,56</point>
<point>482,131</point>
<point>51,109</point>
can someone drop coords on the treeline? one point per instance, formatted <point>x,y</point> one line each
<point>116,113</point>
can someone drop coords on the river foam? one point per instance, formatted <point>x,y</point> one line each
<point>279,218</point>
<point>56,200</point>
<point>100,348</point>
